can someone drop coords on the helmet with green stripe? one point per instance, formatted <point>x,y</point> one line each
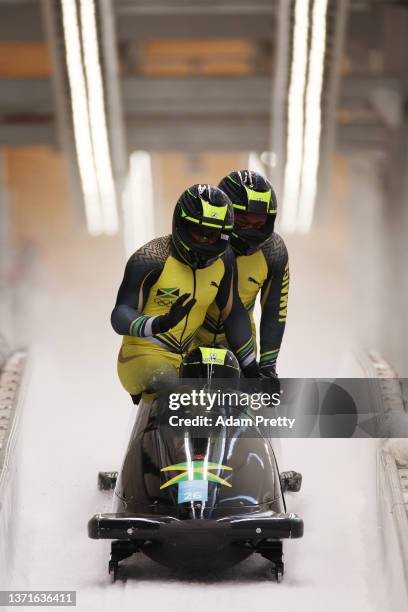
<point>202,222</point>
<point>255,209</point>
<point>210,362</point>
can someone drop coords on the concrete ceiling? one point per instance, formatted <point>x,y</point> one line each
<point>197,111</point>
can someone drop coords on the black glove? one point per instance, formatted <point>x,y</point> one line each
<point>177,312</point>
<point>251,370</point>
<point>269,379</point>
<point>267,371</point>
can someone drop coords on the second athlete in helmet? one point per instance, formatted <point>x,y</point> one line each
<point>262,262</point>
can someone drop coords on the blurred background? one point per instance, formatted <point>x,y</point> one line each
<point>109,109</point>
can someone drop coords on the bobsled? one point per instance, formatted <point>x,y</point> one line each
<point>188,498</point>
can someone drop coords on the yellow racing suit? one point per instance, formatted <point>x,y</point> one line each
<point>154,278</point>
<point>267,271</point>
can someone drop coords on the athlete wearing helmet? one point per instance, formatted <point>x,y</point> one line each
<point>262,262</point>
<point>168,286</point>
<point>210,362</point>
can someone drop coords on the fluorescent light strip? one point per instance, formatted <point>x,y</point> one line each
<point>313,117</point>
<point>97,117</point>
<point>138,203</point>
<point>80,117</point>
<point>294,146</point>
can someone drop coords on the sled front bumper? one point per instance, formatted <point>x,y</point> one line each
<point>125,526</point>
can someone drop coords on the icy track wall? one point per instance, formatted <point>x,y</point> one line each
<point>11,377</point>
<point>392,487</point>
<point>394,523</point>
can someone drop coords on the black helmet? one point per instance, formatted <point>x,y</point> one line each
<point>207,212</point>
<point>210,362</point>
<point>250,192</point>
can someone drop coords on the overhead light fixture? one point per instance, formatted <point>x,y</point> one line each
<point>294,141</point>
<point>304,116</point>
<point>89,116</point>
<point>138,202</point>
<point>80,117</point>
<point>311,154</point>
<point>97,117</point>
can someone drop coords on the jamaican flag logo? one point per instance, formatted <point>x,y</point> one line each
<point>166,295</point>
<point>200,470</point>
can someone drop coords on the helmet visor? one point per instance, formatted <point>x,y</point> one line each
<point>248,236</point>
<point>249,220</point>
<point>202,235</point>
<point>204,242</point>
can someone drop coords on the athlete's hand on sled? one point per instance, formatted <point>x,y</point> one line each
<point>269,379</point>
<point>179,309</point>
<point>251,370</point>
<point>267,371</point>
<point>250,377</point>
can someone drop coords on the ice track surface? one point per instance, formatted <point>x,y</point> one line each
<point>335,566</point>
<point>76,422</point>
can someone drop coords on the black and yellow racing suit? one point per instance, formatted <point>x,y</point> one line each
<point>154,278</point>
<point>267,271</point>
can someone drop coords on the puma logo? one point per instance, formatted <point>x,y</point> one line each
<point>214,284</point>
<point>253,280</point>
<point>122,358</point>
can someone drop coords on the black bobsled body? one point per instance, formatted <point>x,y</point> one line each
<point>206,499</point>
